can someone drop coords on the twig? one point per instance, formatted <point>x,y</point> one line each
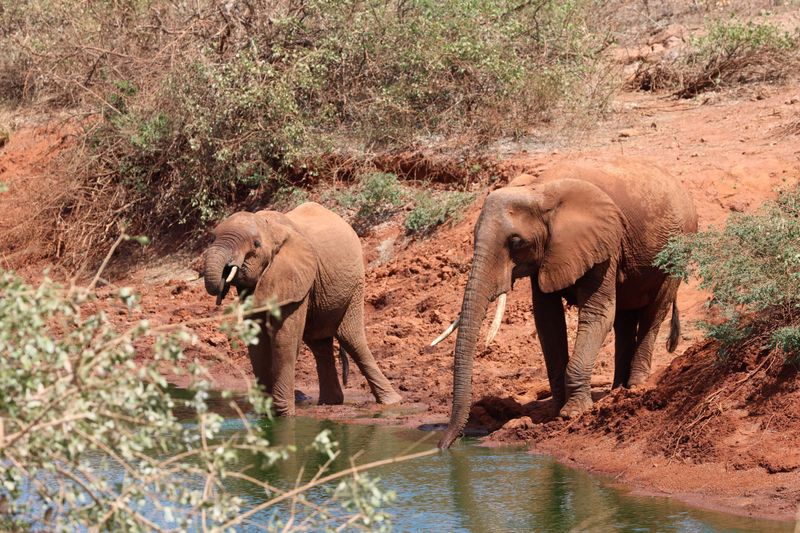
<point>321,481</point>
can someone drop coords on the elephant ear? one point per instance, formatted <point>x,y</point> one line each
<point>586,227</point>
<point>293,268</point>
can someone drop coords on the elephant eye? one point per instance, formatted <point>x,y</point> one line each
<point>257,244</point>
<point>515,242</point>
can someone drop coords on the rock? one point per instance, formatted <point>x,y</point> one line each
<point>523,422</point>
<point>628,132</point>
<point>392,340</point>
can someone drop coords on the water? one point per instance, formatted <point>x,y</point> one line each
<point>473,488</point>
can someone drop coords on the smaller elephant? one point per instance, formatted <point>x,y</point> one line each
<point>310,261</point>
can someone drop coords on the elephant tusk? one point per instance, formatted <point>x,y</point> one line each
<point>498,318</point>
<point>446,333</point>
<point>232,274</point>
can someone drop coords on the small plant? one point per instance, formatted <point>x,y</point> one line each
<point>731,52</point>
<point>431,210</point>
<point>787,339</point>
<point>288,197</point>
<point>375,198</point>
<point>751,267</point>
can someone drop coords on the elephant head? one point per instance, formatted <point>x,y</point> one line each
<point>554,232</point>
<point>261,253</point>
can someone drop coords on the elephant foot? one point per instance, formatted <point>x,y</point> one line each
<point>555,406</point>
<point>389,398</point>
<point>575,407</point>
<point>331,398</point>
<point>637,380</point>
<point>284,411</point>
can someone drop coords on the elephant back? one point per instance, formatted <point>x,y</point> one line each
<point>341,263</point>
<point>655,205</point>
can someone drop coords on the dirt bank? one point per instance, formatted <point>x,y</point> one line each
<point>728,151</point>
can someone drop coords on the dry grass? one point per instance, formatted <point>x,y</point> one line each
<point>730,53</point>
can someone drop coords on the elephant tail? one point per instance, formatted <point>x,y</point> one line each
<point>674,328</point>
<point>345,365</point>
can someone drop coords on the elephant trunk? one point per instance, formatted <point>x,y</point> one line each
<point>473,310</point>
<point>217,258</point>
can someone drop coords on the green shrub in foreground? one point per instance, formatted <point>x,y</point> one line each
<point>431,210</point>
<point>752,268</point>
<point>77,397</point>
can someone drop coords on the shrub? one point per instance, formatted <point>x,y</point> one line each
<point>202,105</point>
<point>375,198</point>
<point>434,209</point>
<point>730,53</point>
<point>751,267</point>
<point>287,198</point>
<point>77,397</point>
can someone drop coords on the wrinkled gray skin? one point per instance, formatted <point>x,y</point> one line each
<point>587,232</point>
<point>310,260</point>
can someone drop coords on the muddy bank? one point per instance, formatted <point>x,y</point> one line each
<point>718,434</point>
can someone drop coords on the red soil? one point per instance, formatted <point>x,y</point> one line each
<point>723,436</point>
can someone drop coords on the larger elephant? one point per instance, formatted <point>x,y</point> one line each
<point>310,260</point>
<point>586,232</point>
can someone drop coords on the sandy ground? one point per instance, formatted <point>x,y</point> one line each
<point>731,154</point>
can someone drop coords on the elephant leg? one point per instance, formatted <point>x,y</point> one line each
<point>353,338</point>
<point>330,391</point>
<point>261,357</point>
<point>285,342</point>
<point>551,326</point>
<point>650,320</point>
<point>597,303</point>
<point>625,325</point>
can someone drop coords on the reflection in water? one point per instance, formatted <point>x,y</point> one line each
<point>471,488</point>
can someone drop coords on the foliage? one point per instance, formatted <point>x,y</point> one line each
<point>204,104</point>
<point>289,197</point>
<point>77,404</point>
<point>751,267</point>
<point>374,199</point>
<point>730,52</point>
<point>431,210</point>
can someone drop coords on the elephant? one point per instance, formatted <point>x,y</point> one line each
<point>310,261</point>
<point>584,231</point>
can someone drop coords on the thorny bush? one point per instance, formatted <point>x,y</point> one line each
<point>752,268</point>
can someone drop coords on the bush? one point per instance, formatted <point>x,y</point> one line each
<point>431,210</point>
<point>78,397</point>
<point>751,268</point>
<point>730,53</point>
<point>375,198</point>
<point>287,198</point>
<point>202,105</point>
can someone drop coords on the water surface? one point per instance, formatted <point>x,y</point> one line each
<point>474,488</point>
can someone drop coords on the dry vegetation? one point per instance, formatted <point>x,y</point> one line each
<point>186,110</point>
<point>732,52</point>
